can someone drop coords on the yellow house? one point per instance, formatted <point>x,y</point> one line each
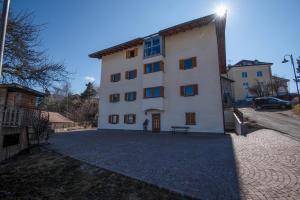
<point>248,73</point>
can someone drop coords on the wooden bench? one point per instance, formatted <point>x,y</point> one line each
<point>184,128</point>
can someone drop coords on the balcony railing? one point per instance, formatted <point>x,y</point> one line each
<point>17,116</point>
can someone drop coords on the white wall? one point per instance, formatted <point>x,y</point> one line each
<point>199,42</point>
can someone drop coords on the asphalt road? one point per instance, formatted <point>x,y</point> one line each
<point>275,119</point>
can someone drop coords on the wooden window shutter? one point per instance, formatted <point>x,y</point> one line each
<point>194,61</point>
<point>161,91</point>
<point>161,66</point>
<point>126,96</point>
<point>135,51</point>
<point>187,118</point>
<point>111,78</point>
<point>117,119</point>
<point>118,97</point>
<point>181,90</point>
<point>127,75</point>
<point>181,64</point>
<point>134,95</point>
<point>145,68</point>
<point>127,54</point>
<point>134,118</point>
<point>195,88</point>
<point>125,119</point>
<point>110,98</point>
<point>193,118</point>
<point>109,119</point>
<point>144,92</point>
<point>135,73</point>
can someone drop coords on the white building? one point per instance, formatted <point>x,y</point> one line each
<point>171,78</point>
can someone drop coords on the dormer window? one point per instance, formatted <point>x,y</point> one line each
<point>152,46</point>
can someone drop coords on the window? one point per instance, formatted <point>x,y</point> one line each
<point>188,63</point>
<point>131,53</point>
<point>114,98</point>
<point>244,74</point>
<point>259,74</point>
<point>153,67</point>
<point>152,46</point>
<point>245,85</point>
<point>189,90</point>
<point>129,119</point>
<point>10,140</point>
<point>113,119</point>
<point>130,96</point>
<point>154,92</point>
<point>131,74</point>
<point>190,118</point>
<point>115,77</point>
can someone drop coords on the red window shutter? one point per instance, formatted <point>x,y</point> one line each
<point>181,90</point>
<point>195,87</point>
<point>134,118</point>
<point>135,51</point>
<point>135,73</point>
<point>193,118</point>
<point>194,61</point>
<point>187,118</point>
<point>145,68</point>
<point>110,98</point>
<point>144,92</point>
<point>125,119</point>
<point>181,64</point>
<point>161,66</point>
<point>161,91</point>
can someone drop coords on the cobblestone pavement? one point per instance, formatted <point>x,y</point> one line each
<point>262,165</point>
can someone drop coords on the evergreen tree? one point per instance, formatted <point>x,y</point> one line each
<point>89,91</point>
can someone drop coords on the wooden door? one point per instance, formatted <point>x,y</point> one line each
<point>156,122</point>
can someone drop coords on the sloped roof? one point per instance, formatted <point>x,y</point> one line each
<point>246,63</point>
<point>220,31</point>
<point>20,88</point>
<point>55,117</point>
<point>280,78</point>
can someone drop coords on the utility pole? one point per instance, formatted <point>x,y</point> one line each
<point>4,17</point>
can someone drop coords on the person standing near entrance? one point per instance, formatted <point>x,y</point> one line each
<point>145,124</point>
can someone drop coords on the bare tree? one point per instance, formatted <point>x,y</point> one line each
<point>24,61</point>
<point>40,124</point>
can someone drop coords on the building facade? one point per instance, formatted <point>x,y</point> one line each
<point>248,73</point>
<point>171,78</point>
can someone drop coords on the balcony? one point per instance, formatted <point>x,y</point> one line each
<point>153,104</point>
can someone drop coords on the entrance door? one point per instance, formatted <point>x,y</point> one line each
<point>156,122</point>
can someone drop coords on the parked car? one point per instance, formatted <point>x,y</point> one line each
<point>270,102</point>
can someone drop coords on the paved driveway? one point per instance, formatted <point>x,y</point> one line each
<point>275,119</point>
<point>263,165</point>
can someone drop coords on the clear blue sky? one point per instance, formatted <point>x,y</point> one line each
<point>256,29</point>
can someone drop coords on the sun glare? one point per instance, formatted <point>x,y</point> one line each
<point>221,10</point>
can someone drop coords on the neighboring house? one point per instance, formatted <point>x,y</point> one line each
<point>171,78</point>
<point>17,104</point>
<point>281,85</point>
<point>247,73</point>
<point>58,121</point>
<point>227,91</point>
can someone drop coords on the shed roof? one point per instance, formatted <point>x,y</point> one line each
<point>20,88</point>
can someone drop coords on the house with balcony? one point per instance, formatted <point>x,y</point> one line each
<point>171,78</point>
<point>248,73</point>
<point>17,109</point>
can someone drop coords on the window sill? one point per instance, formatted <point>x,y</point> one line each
<point>190,124</point>
<point>153,97</point>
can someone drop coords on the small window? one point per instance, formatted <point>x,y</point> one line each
<point>154,92</point>
<point>113,119</point>
<point>153,67</point>
<point>259,74</point>
<point>245,85</point>
<point>130,96</point>
<point>131,53</point>
<point>244,75</point>
<point>190,118</point>
<point>10,140</point>
<point>129,119</point>
<point>188,63</point>
<point>115,77</point>
<point>114,98</point>
<point>189,90</point>
<point>131,74</point>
